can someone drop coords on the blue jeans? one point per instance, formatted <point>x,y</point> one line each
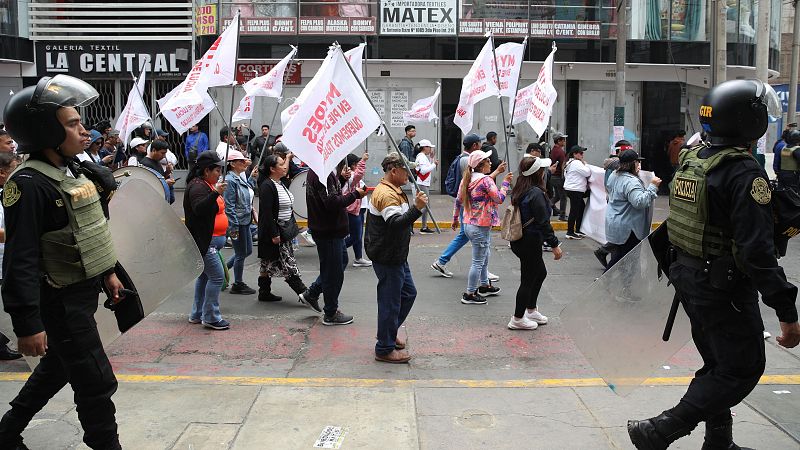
<point>332,261</point>
<point>356,234</point>
<point>209,284</point>
<point>396,295</point>
<point>242,248</point>
<point>455,245</point>
<point>481,239</point>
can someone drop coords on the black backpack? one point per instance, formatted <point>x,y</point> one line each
<point>453,179</point>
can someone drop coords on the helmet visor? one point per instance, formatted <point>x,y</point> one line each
<point>64,90</point>
<point>769,97</point>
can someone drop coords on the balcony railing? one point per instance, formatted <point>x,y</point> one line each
<point>128,21</point>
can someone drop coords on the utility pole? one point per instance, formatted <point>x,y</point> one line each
<point>762,41</point>
<point>792,114</point>
<point>622,40</point>
<point>719,58</point>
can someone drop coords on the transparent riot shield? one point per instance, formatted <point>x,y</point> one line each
<point>617,323</point>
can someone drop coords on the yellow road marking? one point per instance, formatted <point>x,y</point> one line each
<point>377,382</point>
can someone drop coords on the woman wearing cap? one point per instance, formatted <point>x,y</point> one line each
<point>629,201</point>
<point>530,198</point>
<point>204,209</point>
<point>138,151</point>
<point>355,211</point>
<point>478,196</point>
<point>92,153</point>
<point>239,209</point>
<point>426,164</point>
<point>576,182</point>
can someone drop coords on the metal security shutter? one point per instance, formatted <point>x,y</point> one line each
<point>104,108</point>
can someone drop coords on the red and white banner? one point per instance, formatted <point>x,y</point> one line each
<point>509,63</point>
<point>245,109</point>
<point>135,112</point>
<point>271,83</point>
<point>356,58</point>
<point>334,118</point>
<point>217,67</point>
<point>423,110</point>
<point>288,113</point>
<point>536,101</point>
<point>480,83</point>
<point>183,117</point>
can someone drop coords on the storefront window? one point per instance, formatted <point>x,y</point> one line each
<point>260,8</point>
<point>742,19</point>
<point>677,20</point>
<point>8,17</point>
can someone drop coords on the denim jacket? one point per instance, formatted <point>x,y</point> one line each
<point>238,204</point>
<point>629,207</point>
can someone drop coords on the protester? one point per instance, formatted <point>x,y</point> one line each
<point>674,147</point>
<point>426,164</point>
<point>6,143</point>
<point>530,198</point>
<point>489,147</point>
<point>576,185</point>
<point>239,209</point>
<point>628,213</point>
<point>478,198</point>
<point>112,144</point>
<point>227,140</point>
<point>559,158</point>
<point>204,209</point>
<point>196,143</point>
<point>261,143</point>
<point>355,211</point>
<point>138,151</point>
<point>406,144</point>
<point>610,164</point>
<point>277,254</point>
<point>8,162</point>
<point>327,220</point>
<point>471,143</point>
<point>387,242</point>
<point>92,152</point>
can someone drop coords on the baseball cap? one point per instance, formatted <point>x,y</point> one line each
<point>629,156</point>
<point>557,136</point>
<point>471,139</point>
<point>396,159</point>
<point>113,133</point>
<point>426,143</point>
<point>161,132</point>
<point>207,159</point>
<point>537,164</point>
<point>137,141</point>
<point>476,157</point>
<point>577,149</point>
<point>236,155</point>
<point>94,135</point>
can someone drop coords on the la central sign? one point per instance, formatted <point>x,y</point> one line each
<point>115,60</point>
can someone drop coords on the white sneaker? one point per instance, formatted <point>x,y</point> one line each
<point>492,277</point>
<point>361,262</point>
<point>522,324</point>
<point>442,269</point>
<point>536,316</point>
<point>309,240</point>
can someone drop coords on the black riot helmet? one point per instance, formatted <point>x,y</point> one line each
<point>792,138</point>
<point>737,112</point>
<point>30,114</point>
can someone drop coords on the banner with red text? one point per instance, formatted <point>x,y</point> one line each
<point>480,83</point>
<point>509,63</point>
<point>271,83</point>
<point>135,112</point>
<point>288,113</point>
<point>423,110</point>
<point>245,109</point>
<point>183,117</point>
<point>217,67</point>
<point>540,99</point>
<point>334,118</point>
<point>355,56</point>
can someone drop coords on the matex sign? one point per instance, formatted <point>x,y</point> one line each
<point>112,60</point>
<point>418,17</point>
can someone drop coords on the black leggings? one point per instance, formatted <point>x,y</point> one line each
<point>576,207</point>
<point>618,251</point>
<point>532,272</point>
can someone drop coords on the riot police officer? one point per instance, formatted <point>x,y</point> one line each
<point>58,252</point>
<point>789,175</point>
<point>721,227</point>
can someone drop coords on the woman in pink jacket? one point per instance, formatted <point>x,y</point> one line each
<point>479,196</point>
<point>355,211</point>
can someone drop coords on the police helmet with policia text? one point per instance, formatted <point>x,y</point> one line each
<point>30,114</point>
<point>738,111</point>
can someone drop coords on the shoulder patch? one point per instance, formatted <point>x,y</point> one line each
<point>11,193</point>
<point>760,191</point>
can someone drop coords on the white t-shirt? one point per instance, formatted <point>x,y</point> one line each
<point>576,176</point>
<point>425,169</point>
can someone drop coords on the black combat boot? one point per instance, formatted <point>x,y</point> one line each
<point>265,292</point>
<point>719,434</point>
<point>296,283</point>
<point>658,432</point>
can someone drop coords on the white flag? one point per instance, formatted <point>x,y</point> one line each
<point>217,67</point>
<point>480,83</point>
<point>335,118</point>
<point>288,113</point>
<point>356,58</point>
<point>543,96</point>
<point>183,117</point>
<point>509,62</point>
<point>270,84</point>
<point>245,109</point>
<point>135,112</point>
<point>423,110</point>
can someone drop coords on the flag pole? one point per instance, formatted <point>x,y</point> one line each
<point>366,84</point>
<point>391,138</point>
<point>277,108</point>
<point>141,97</point>
<point>519,77</point>
<point>233,95</point>
<point>499,95</point>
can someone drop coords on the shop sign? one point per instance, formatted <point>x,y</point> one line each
<point>112,60</point>
<point>205,20</point>
<point>266,25</point>
<point>498,27</point>
<point>418,17</point>
<point>564,29</point>
<point>246,71</point>
<point>337,25</point>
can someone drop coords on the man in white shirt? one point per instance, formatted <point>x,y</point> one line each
<point>226,137</point>
<point>426,164</point>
